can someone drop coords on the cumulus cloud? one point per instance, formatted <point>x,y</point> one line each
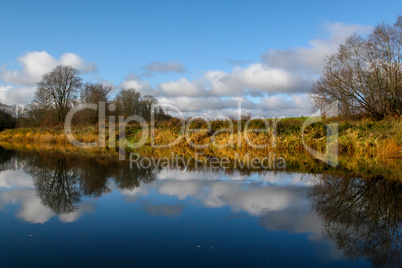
<point>133,195</point>
<point>181,87</point>
<point>277,86</point>
<point>17,178</point>
<point>31,208</point>
<point>270,106</point>
<point>18,189</point>
<point>77,62</point>
<point>73,216</point>
<point>141,86</point>
<point>33,65</point>
<point>256,79</point>
<point>255,198</point>
<point>285,105</point>
<point>284,178</point>
<point>19,85</point>
<point>37,63</point>
<point>165,67</point>
<point>309,60</point>
<point>11,95</point>
<point>201,103</point>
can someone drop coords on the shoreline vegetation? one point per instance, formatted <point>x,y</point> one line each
<point>366,147</point>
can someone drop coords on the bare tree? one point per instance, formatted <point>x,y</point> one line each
<point>128,102</point>
<point>365,75</point>
<point>147,104</point>
<point>94,93</point>
<point>60,86</point>
<point>41,108</point>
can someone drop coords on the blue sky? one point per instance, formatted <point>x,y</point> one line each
<point>203,56</point>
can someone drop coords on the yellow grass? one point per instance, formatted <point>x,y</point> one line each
<point>360,139</point>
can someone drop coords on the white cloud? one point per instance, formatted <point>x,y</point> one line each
<point>18,189</point>
<point>76,61</point>
<point>17,178</point>
<point>280,83</point>
<point>73,216</point>
<point>11,95</point>
<point>309,61</point>
<point>141,86</point>
<point>32,210</point>
<point>256,79</point>
<point>181,87</point>
<point>271,106</point>
<point>276,86</point>
<point>19,85</point>
<point>35,64</point>
<point>216,190</point>
<point>133,195</point>
<point>283,79</point>
<point>285,105</point>
<point>199,104</point>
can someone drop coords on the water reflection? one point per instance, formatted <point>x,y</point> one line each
<point>363,216</point>
<point>57,187</point>
<point>352,217</point>
<point>60,182</point>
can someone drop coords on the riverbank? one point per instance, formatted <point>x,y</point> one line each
<point>359,138</point>
<point>366,147</point>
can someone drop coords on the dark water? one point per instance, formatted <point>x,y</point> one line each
<point>64,211</point>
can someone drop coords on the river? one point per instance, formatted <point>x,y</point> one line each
<point>67,211</point>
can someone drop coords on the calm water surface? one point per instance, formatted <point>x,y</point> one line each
<point>63,211</point>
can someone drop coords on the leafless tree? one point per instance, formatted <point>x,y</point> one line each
<point>41,108</point>
<point>147,104</point>
<point>60,86</point>
<point>127,102</point>
<point>364,76</point>
<point>94,93</point>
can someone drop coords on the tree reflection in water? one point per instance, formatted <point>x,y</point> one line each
<point>57,187</point>
<point>6,160</point>
<point>62,181</point>
<point>363,216</point>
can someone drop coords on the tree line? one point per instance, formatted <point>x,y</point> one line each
<point>8,118</point>
<point>62,89</point>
